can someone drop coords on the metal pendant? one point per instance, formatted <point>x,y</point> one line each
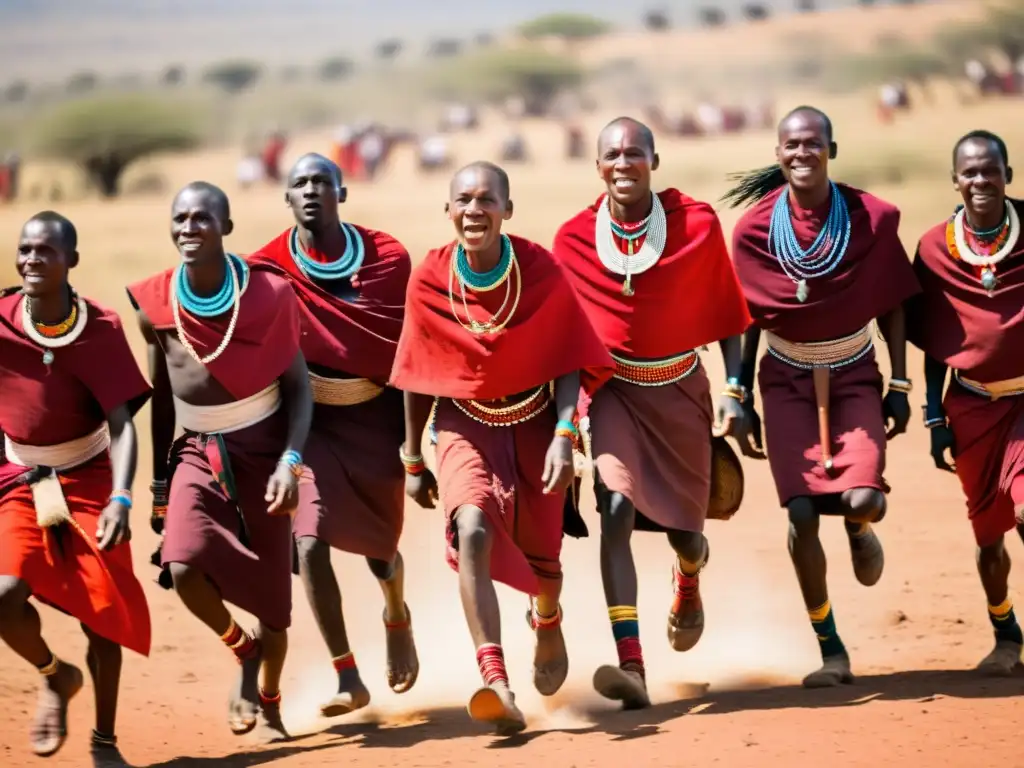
<point>802,291</point>
<point>988,280</point>
<point>48,357</point>
<point>627,287</point>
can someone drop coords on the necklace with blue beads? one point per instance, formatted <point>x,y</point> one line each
<point>229,297</point>
<point>339,269</point>
<point>824,254</point>
<point>481,282</point>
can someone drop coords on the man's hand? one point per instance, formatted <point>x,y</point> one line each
<point>112,528</point>
<point>896,409</point>
<point>942,440</point>
<point>422,488</point>
<point>559,469</point>
<point>282,491</point>
<point>735,420</point>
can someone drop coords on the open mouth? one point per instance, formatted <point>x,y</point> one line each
<point>474,230</point>
<point>34,277</point>
<point>801,170</point>
<point>624,184</point>
<point>311,207</point>
<point>189,244</point>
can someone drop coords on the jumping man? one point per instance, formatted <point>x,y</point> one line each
<point>351,285</point>
<point>819,263</point>
<point>70,389</point>
<point>967,318</point>
<point>226,367</point>
<point>654,276</point>
<point>496,334</point>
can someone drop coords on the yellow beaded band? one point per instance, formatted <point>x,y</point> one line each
<point>414,465</point>
<point>656,373</point>
<point>487,412</point>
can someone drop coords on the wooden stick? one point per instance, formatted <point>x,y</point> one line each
<point>821,395</point>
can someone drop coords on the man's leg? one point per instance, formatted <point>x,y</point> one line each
<point>21,629</point>
<point>325,599</point>
<point>808,558</point>
<point>994,569</point>
<point>626,682</point>
<point>273,651</point>
<point>494,703</point>
<point>550,658</point>
<point>200,596</point>
<point>104,661</point>
<point>403,663</point>
<point>686,619</point>
<point>861,508</point>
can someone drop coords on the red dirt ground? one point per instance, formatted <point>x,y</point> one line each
<point>734,700</point>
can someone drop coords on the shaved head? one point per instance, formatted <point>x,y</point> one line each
<point>805,112</point>
<point>211,194</point>
<point>312,161</point>
<point>504,187</point>
<point>68,233</point>
<point>644,134</point>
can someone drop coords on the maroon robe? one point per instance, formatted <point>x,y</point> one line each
<point>956,322</point>
<point>873,278</point>
<point>48,405</point>
<point>226,534</point>
<point>353,450</point>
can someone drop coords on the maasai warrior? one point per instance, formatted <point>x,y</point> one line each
<point>968,318</point>
<point>70,388</point>
<point>351,285</point>
<point>819,263</point>
<point>226,367</point>
<point>494,332</point>
<point>654,275</point>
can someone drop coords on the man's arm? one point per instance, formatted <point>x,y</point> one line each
<point>124,448</point>
<point>894,330</point>
<point>297,398</point>
<point>162,420</point>
<point>935,387</point>
<point>417,414</point>
<point>748,359</point>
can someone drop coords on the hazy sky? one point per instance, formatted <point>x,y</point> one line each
<point>54,38</point>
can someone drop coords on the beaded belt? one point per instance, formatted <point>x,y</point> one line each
<point>493,415</point>
<point>230,417</point>
<point>818,354</point>
<point>993,390</point>
<point>60,457</point>
<point>656,373</point>
<point>328,391</point>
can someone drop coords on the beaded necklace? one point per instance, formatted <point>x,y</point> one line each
<point>52,337</point>
<point>983,250</point>
<point>236,280</point>
<point>482,282</point>
<point>339,269</point>
<point>654,230</point>
<point>825,253</point>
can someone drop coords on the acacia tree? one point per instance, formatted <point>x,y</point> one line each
<point>106,136</point>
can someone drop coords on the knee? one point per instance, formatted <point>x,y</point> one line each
<point>101,646</point>
<point>865,505</point>
<point>309,550</point>
<point>184,576</point>
<point>992,555</point>
<point>382,570</point>
<point>803,518</point>
<point>13,594</point>
<point>689,545</point>
<point>473,530</point>
<point>617,516</point>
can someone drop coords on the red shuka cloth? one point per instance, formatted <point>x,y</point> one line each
<point>549,334</point>
<point>357,337</point>
<point>45,406</point>
<point>690,298</point>
<point>266,336</point>
<point>956,322</point>
<point>873,278</point>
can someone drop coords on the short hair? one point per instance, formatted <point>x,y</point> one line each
<point>331,166</point>
<point>826,121</point>
<point>645,133</point>
<point>68,233</point>
<point>214,191</point>
<point>483,165</point>
<point>980,135</point>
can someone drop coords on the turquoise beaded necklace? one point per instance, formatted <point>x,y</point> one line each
<point>222,300</point>
<point>339,269</point>
<point>482,282</point>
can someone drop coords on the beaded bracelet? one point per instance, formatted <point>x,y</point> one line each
<point>936,421</point>
<point>906,386</point>
<point>124,498</point>
<point>292,460</point>
<point>565,428</point>
<point>414,465</point>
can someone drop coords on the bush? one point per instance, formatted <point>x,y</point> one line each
<point>337,68</point>
<point>571,26</point>
<point>81,83</point>
<point>233,76</point>
<point>16,92</point>
<point>711,17</point>
<point>105,136</point>
<point>535,75</point>
<point>173,76</point>
<point>386,50</point>
<point>444,48</point>
<point>657,21</point>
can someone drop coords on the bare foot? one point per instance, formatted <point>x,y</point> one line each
<point>245,699</point>
<point>834,671</point>
<point>105,754</point>
<point>270,729</point>
<point>1003,661</point>
<point>550,658</point>
<point>625,685</point>
<point>868,556</point>
<point>403,663</point>
<point>352,695</point>
<point>686,618</point>
<point>50,729</point>
<point>496,705</point>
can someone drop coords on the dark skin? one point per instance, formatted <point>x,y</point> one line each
<point>980,176</point>
<point>199,223</point>
<point>625,162</point>
<point>44,260</point>
<point>314,193</point>
<point>804,149</point>
<point>478,205</point>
